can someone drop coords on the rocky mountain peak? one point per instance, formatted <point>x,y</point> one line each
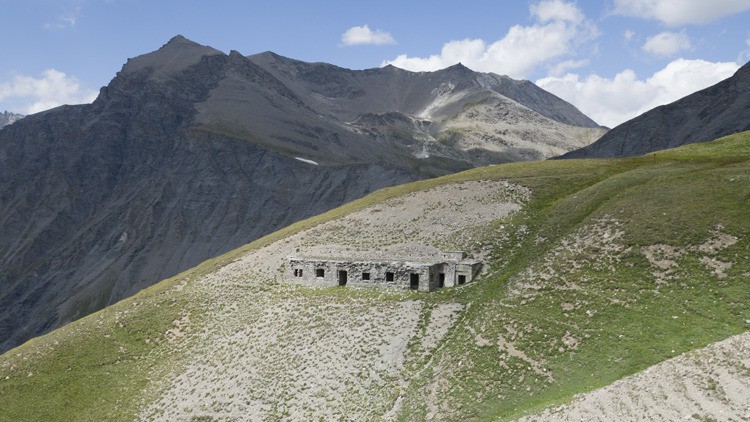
<point>269,55</point>
<point>179,39</point>
<point>458,68</point>
<point>174,56</point>
<point>7,118</point>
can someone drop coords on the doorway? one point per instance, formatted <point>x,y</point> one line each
<point>414,281</point>
<point>343,277</point>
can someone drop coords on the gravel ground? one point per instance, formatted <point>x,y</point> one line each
<point>709,384</point>
<point>273,350</point>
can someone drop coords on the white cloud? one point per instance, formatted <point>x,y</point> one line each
<point>667,43</point>
<point>744,55</point>
<point>66,20</point>
<point>54,88</point>
<point>554,10</point>
<point>567,65</point>
<point>628,34</point>
<point>612,101</point>
<point>359,35</point>
<point>680,12</point>
<point>560,27</point>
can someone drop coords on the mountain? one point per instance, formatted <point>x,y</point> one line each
<point>190,152</point>
<point>347,94</point>
<point>716,111</point>
<point>594,271</point>
<point>7,118</point>
<point>455,112</point>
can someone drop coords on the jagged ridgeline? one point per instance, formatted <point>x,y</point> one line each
<point>7,118</point>
<point>594,270</point>
<point>190,152</point>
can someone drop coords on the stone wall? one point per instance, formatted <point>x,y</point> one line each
<point>422,276</point>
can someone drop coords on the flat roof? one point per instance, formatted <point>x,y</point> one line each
<point>384,261</point>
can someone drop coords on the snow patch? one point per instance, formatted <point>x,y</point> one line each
<point>305,160</point>
<point>424,153</point>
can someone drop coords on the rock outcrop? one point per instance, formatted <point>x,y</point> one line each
<point>7,118</point>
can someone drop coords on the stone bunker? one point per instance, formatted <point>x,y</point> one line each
<point>451,270</point>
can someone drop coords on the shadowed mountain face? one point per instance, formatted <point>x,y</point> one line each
<point>190,152</point>
<point>716,111</point>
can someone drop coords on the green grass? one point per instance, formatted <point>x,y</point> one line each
<point>677,200</point>
<point>105,364</point>
<point>96,366</point>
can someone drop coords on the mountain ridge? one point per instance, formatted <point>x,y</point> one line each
<point>719,110</point>
<point>7,118</point>
<point>530,96</point>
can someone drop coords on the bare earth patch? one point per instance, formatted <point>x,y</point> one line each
<point>272,350</point>
<point>707,384</point>
<point>663,258</point>
<point>420,225</point>
<point>442,318</point>
<point>595,246</point>
<point>294,356</point>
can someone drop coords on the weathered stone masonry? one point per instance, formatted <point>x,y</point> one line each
<point>451,270</point>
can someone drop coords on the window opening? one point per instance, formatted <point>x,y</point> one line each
<point>365,276</point>
<point>320,272</point>
<point>461,279</point>
<point>388,276</point>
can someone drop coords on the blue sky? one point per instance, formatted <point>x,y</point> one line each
<point>613,59</point>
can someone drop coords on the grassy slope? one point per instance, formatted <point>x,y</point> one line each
<point>616,322</point>
<point>675,199</point>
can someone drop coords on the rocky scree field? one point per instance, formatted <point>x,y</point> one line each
<point>595,270</point>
